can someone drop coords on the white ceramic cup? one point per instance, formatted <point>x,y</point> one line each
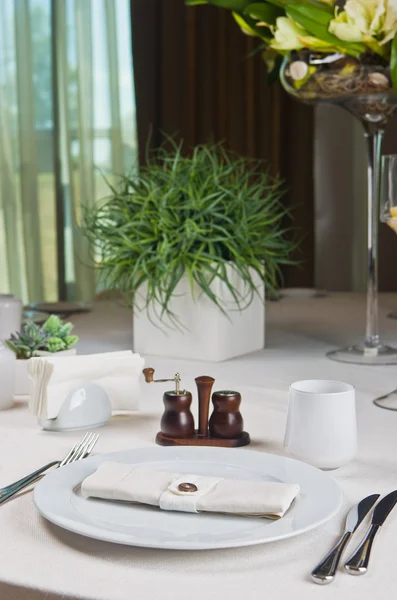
<point>321,423</point>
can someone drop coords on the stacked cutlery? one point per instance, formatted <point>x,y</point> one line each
<point>357,564</point>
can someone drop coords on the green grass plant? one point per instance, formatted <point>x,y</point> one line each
<point>191,214</point>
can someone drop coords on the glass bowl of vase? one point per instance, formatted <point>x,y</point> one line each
<point>364,88</point>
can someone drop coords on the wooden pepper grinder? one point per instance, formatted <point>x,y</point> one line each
<point>177,420</point>
<point>204,387</point>
<point>226,420</point>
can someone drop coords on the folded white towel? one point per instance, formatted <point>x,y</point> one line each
<point>117,481</point>
<point>52,378</point>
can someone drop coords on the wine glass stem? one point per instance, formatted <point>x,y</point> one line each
<point>374,144</point>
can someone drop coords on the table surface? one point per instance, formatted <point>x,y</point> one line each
<point>39,560</point>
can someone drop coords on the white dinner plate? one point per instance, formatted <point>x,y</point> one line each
<point>58,498</point>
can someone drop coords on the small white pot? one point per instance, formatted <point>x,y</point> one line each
<point>21,387</point>
<point>208,334</point>
<point>10,315</point>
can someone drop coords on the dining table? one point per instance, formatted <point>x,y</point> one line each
<point>39,560</point>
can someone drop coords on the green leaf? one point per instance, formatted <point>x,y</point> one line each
<point>317,3</point>
<point>248,26</point>
<point>12,346</point>
<point>263,12</point>
<point>274,74</point>
<point>279,3</point>
<point>52,325</point>
<point>70,340</point>
<point>65,330</point>
<point>313,4</point>
<point>376,48</point>
<point>55,344</point>
<point>311,11</point>
<point>238,5</point>
<point>393,63</point>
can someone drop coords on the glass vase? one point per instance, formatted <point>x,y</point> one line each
<point>365,90</point>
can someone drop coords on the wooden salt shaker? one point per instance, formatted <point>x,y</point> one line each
<point>226,420</point>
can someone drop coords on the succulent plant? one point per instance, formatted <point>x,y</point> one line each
<point>53,336</point>
<point>59,334</point>
<point>27,341</point>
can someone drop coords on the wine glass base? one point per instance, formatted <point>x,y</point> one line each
<point>388,402</point>
<point>362,355</point>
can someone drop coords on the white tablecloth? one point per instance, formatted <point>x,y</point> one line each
<point>39,560</point>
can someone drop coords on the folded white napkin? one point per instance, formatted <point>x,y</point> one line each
<point>116,481</point>
<point>52,378</point>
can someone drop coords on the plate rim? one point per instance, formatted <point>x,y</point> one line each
<point>92,532</point>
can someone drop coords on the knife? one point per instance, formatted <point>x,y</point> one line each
<point>358,562</point>
<point>325,571</point>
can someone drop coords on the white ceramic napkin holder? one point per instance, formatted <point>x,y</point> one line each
<point>85,407</point>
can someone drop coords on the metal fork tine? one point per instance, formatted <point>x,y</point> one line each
<point>91,446</point>
<point>70,453</point>
<point>73,451</point>
<point>86,451</point>
<point>81,451</point>
<point>80,445</point>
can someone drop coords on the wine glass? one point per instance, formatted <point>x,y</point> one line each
<point>388,192</point>
<point>389,208</point>
<point>388,214</point>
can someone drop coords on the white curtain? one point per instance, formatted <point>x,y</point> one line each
<point>67,116</point>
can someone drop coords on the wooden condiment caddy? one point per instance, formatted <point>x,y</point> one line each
<point>224,428</point>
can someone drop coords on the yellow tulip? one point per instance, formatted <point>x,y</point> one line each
<point>390,21</point>
<point>346,28</point>
<point>368,21</point>
<point>286,35</point>
<point>366,14</point>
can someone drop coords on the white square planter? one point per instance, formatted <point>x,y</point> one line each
<point>209,334</point>
<point>22,381</point>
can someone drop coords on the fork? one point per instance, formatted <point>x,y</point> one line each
<point>79,451</point>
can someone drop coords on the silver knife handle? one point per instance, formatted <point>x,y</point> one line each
<point>358,562</point>
<point>325,571</point>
